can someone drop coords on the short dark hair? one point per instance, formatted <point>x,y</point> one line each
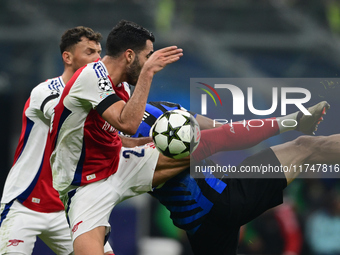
<point>127,35</point>
<point>73,35</point>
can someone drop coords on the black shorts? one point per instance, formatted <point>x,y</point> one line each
<point>243,200</point>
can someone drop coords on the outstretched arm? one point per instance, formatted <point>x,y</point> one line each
<point>133,142</point>
<point>126,117</point>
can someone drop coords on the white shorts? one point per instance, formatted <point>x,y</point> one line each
<point>90,206</point>
<point>20,226</point>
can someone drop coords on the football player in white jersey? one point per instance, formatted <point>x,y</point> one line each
<point>94,104</point>
<point>30,206</point>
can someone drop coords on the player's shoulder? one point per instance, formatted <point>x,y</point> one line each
<point>50,86</point>
<point>52,82</point>
<point>92,72</point>
<point>96,68</point>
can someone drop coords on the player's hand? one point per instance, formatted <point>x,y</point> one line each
<point>160,58</point>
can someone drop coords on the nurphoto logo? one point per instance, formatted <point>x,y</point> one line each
<point>289,96</point>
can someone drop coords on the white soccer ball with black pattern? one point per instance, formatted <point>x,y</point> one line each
<point>176,134</point>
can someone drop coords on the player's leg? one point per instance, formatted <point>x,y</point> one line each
<point>167,168</point>
<point>224,138</point>
<point>242,135</point>
<point>90,206</point>
<point>58,237</point>
<point>90,242</point>
<point>308,149</point>
<point>92,237</point>
<point>57,234</point>
<point>19,227</point>
<point>247,195</point>
<point>88,210</point>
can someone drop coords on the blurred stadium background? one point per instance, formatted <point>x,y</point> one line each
<point>220,38</point>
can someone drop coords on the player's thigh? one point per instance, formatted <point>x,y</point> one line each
<point>58,236</point>
<point>253,193</point>
<point>90,206</point>
<point>19,227</point>
<point>91,242</point>
<point>136,170</point>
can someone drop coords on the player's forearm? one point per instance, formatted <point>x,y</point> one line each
<point>168,167</point>
<point>161,176</point>
<point>133,111</point>
<point>133,142</point>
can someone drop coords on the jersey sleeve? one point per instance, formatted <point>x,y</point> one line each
<point>44,98</point>
<point>48,106</point>
<point>93,90</point>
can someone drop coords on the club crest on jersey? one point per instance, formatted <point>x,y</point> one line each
<point>14,242</point>
<point>104,84</point>
<point>75,227</point>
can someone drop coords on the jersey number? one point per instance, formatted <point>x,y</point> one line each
<point>126,153</point>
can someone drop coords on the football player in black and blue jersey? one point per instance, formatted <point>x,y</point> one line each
<point>211,209</point>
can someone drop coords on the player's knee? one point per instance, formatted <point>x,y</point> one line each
<point>312,143</point>
<point>302,141</point>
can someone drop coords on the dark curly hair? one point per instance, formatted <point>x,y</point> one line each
<point>127,35</point>
<point>73,35</point>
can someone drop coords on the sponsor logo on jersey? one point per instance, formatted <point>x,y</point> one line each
<point>14,242</point>
<point>55,86</point>
<point>106,94</point>
<point>35,200</point>
<point>151,145</point>
<point>75,227</point>
<point>108,127</point>
<point>99,69</point>
<point>146,114</point>
<point>91,177</point>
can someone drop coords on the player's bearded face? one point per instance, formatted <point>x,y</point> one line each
<point>133,71</point>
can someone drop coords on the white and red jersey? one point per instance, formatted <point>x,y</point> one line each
<point>84,147</point>
<point>27,181</point>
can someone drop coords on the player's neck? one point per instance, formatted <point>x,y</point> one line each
<point>115,67</point>
<point>67,75</point>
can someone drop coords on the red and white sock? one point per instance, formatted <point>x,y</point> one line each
<point>236,136</point>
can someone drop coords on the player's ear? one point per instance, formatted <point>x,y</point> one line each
<point>129,56</point>
<point>67,57</point>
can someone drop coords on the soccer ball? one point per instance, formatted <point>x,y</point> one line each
<point>176,134</point>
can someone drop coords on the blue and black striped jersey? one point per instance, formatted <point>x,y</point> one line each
<point>188,199</point>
